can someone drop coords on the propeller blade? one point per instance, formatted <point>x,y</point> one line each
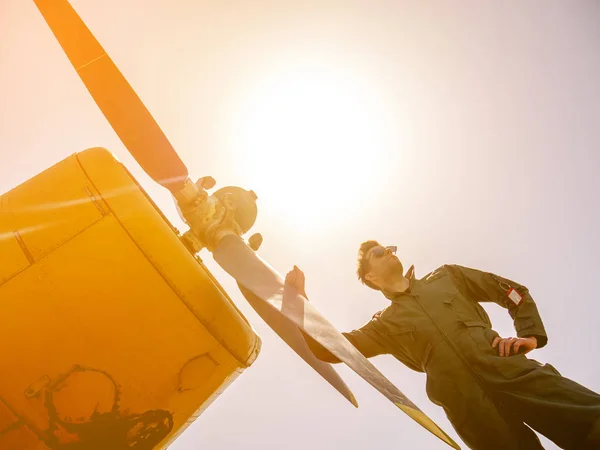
<point>249,270</point>
<point>117,100</point>
<point>290,333</point>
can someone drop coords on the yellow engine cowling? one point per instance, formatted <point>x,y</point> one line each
<point>114,336</point>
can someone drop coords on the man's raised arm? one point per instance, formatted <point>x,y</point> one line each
<point>360,338</point>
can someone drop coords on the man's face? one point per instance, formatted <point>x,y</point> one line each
<point>384,265</point>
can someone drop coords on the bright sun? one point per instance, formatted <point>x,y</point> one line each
<point>310,138</point>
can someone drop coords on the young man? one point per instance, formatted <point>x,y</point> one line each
<point>487,386</point>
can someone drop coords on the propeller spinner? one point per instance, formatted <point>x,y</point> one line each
<point>216,221</point>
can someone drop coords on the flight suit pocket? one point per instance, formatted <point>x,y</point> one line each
<point>402,337</point>
<point>481,333</point>
<point>403,331</point>
<point>509,367</point>
<point>406,345</point>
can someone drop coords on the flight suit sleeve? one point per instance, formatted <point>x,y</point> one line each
<point>360,338</point>
<point>485,286</point>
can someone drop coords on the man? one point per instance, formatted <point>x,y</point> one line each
<point>487,386</point>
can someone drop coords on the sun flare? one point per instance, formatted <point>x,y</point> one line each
<point>310,138</point>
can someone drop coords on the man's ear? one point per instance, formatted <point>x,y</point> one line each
<point>370,277</point>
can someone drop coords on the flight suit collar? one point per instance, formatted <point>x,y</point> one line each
<point>410,276</point>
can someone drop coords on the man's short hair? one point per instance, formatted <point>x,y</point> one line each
<point>363,266</point>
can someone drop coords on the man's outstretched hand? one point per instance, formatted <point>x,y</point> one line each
<point>511,346</point>
<point>295,278</point>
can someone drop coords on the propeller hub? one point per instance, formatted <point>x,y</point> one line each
<point>229,210</point>
<point>245,205</point>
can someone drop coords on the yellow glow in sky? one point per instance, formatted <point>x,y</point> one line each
<point>311,135</point>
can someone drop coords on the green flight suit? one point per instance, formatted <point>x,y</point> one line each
<point>439,327</point>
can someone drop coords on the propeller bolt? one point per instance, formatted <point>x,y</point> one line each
<point>255,241</point>
<point>206,182</point>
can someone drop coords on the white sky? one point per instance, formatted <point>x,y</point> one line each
<point>463,132</point>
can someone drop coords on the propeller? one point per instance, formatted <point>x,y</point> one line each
<point>256,275</point>
<point>290,333</point>
<point>216,221</point>
<point>115,97</point>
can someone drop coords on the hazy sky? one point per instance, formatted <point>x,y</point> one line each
<point>462,132</point>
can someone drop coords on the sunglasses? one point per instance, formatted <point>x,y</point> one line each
<point>378,252</point>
